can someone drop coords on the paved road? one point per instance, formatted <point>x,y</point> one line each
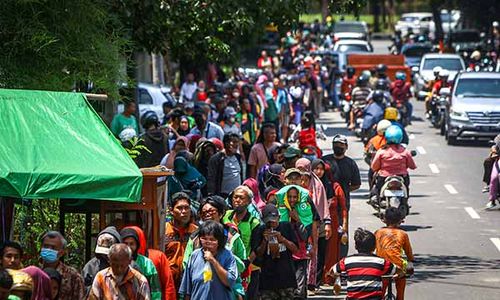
<point>452,236</point>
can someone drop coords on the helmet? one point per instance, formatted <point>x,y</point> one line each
<point>382,126</point>
<point>476,55</point>
<point>444,73</point>
<point>391,114</point>
<point>296,92</point>
<point>381,69</point>
<point>381,84</point>
<point>350,70</point>
<point>436,70</point>
<point>400,76</point>
<point>127,134</point>
<point>495,24</point>
<point>149,118</point>
<point>362,80</point>
<point>393,135</point>
<point>218,143</point>
<point>366,73</point>
<point>421,39</point>
<point>378,96</point>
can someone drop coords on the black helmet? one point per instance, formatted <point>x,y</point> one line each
<point>381,69</point>
<point>378,96</point>
<point>381,84</point>
<point>362,80</point>
<point>149,118</point>
<point>350,70</point>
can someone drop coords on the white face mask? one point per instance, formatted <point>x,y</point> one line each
<point>236,95</point>
<point>232,119</point>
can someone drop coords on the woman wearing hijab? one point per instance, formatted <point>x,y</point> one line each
<point>186,178</point>
<point>318,196</point>
<point>184,127</point>
<point>181,143</point>
<point>42,289</point>
<point>254,186</point>
<point>338,214</point>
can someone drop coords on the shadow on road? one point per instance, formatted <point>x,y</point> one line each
<point>439,269</point>
<point>414,227</point>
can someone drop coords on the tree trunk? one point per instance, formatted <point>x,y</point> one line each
<point>376,15</point>
<point>324,10</point>
<point>384,14</point>
<point>436,14</point>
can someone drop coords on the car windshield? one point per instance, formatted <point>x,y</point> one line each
<point>464,37</point>
<point>349,27</point>
<point>451,64</point>
<point>478,87</point>
<point>408,19</point>
<point>416,51</point>
<point>353,48</point>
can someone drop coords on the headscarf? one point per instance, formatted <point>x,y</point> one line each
<point>324,179</point>
<point>186,173</point>
<point>254,186</point>
<point>141,238</point>
<point>317,189</point>
<point>41,283</point>
<point>171,156</point>
<point>303,207</point>
<point>193,141</point>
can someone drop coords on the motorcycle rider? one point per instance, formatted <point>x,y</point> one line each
<point>391,114</point>
<point>428,87</point>
<point>392,160</point>
<point>374,144</point>
<point>373,113</point>
<point>359,98</point>
<point>401,93</point>
<point>348,81</point>
<point>381,72</point>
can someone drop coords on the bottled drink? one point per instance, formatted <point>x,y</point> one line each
<point>274,247</point>
<point>337,287</point>
<point>344,239</point>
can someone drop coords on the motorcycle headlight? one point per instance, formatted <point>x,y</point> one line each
<point>458,115</point>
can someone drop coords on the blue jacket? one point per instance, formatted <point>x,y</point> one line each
<point>373,113</point>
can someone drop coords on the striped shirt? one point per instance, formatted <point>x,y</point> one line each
<point>364,275</point>
<point>134,286</point>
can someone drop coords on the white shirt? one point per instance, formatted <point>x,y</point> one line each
<point>187,90</point>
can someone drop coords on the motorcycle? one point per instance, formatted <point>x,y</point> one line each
<point>358,119</point>
<point>404,116</point>
<point>345,104</point>
<point>438,105</point>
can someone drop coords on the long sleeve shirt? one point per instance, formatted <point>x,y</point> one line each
<point>393,160</point>
<point>494,181</point>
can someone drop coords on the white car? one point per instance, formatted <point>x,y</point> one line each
<point>352,46</point>
<point>350,30</point>
<point>416,22</point>
<point>451,62</point>
<point>449,20</point>
<point>151,97</point>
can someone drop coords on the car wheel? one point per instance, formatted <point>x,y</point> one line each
<point>452,140</point>
<point>443,128</point>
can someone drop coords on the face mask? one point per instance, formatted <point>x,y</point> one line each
<point>232,119</point>
<point>236,95</point>
<point>240,209</point>
<point>49,255</point>
<point>338,151</point>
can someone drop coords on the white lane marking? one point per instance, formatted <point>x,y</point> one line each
<point>421,150</point>
<point>496,242</point>
<point>411,136</point>
<point>472,213</point>
<point>450,189</point>
<point>434,168</point>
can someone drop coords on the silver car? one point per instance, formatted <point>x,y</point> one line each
<point>474,110</point>
<point>451,62</point>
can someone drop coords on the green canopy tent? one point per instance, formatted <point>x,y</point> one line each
<point>54,145</point>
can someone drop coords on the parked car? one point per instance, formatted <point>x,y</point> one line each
<point>349,46</point>
<point>351,30</point>
<point>474,110</point>
<point>151,97</point>
<point>416,22</point>
<point>451,62</point>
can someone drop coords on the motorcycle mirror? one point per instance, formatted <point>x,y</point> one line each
<point>413,153</point>
<point>415,69</point>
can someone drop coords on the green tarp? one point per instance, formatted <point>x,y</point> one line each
<point>54,145</point>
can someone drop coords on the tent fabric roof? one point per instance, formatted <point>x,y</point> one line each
<point>54,145</point>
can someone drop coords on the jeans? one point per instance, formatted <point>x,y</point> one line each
<point>301,277</point>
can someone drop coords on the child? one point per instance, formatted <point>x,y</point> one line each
<point>391,242</point>
<point>363,265</point>
<point>307,134</point>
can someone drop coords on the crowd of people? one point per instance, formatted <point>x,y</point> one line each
<point>250,215</point>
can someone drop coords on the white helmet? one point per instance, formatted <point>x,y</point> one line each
<point>296,92</point>
<point>127,134</point>
<point>444,73</point>
<point>476,55</point>
<point>382,126</point>
<point>495,24</point>
<point>436,70</point>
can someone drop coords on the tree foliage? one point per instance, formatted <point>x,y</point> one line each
<point>57,44</point>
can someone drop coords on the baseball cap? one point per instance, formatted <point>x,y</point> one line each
<point>339,138</point>
<point>292,171</point>
<point>292,152</point>
<point>104,242</point>
<point>270,213</point>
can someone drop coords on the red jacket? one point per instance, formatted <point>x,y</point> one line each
<point>347,84</point>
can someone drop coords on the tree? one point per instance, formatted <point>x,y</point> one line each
<point>58,45</point>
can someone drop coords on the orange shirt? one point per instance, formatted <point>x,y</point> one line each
<point>392,243</point>
<point>175,244</point>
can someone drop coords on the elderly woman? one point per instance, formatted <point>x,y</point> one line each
<point>213,208</point>
<point>212,264</point>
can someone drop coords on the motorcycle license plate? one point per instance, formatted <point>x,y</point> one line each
<point>390,193</point>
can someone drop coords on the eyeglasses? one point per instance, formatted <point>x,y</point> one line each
<point>209,212</point>
<point>206,240</point>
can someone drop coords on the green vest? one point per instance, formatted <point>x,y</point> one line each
<point>303,206</point>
